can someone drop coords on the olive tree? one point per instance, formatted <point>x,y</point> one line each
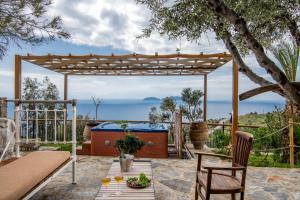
<point>244,26</point>
<point>25,21</point>
<point>191,104</point>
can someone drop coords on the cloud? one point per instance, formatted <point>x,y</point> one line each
<point>117,24</point>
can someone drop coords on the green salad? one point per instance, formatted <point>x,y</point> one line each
<point>141,181</point>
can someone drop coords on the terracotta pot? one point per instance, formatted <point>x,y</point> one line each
<point>87,130</point>
<point>198,134</point>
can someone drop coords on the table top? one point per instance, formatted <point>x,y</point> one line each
<point>126,192</point>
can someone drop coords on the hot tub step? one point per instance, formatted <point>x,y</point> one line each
<point>85,149</point>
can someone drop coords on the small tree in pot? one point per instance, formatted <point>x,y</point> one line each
<point>127,147</point>
<point>191,109</point>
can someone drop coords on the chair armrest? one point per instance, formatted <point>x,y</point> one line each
<point>212,154</point>
<point>223,168</point>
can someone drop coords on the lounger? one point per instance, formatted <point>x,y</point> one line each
<point>21,177</point>
<point>24,176</point>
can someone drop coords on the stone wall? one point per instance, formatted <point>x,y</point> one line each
<point>3,107</point>
<point>7,129</point>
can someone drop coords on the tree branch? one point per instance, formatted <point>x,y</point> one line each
<point>242,65</point>
<point>292,25</point>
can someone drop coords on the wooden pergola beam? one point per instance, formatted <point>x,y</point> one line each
<point>91,62</point>
<point>139,74</point>
<point>92,56</point>
<point>126,67</point>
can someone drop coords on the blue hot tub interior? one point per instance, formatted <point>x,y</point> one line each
<point>132,126</point>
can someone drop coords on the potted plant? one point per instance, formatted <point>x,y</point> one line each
<point>127,148</point>
<point>191,109</point>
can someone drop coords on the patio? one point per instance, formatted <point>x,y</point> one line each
<point>174,179</point>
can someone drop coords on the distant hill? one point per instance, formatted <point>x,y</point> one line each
<point>151,99</point>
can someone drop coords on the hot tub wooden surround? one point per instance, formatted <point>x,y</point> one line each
<point>103,141</point>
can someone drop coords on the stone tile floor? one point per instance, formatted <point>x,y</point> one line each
<point>174,180</point>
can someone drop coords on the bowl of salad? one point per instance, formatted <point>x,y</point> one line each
<point>142,181</point>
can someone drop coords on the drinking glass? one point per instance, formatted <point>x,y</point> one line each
<point>105,182</point>
<point>119,179</point>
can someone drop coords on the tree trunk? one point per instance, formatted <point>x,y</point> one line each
<point>226,37</point>
<point>240,25</point>
<point>238,59</point>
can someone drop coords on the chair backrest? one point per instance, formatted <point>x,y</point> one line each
<point>242,149</point>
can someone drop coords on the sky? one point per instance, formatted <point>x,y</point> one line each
<point>105,27</point>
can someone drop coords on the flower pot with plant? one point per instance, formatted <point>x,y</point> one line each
<point>191,109</point>
<point>127,148</point>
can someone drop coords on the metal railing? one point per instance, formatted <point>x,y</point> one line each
<point>26,131</point>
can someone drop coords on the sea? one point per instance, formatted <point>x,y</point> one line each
<point>138,109</point>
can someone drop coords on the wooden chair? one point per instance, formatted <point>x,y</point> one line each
<point>214,180</point>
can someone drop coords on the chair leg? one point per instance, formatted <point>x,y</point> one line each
<point>242,195</point>
<point>233,196</point>
<point>196,192</point>
<point>207,195</point>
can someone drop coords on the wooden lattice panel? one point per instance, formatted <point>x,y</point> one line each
<point>132,64</point>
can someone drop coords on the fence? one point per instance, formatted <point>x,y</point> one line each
<point>275,146</point>
<point>53,126</point>
<point>30,128</point>
<point>288,148</point>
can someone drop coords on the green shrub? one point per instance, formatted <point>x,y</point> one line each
<point>220,140</point>
<point>129,145</point>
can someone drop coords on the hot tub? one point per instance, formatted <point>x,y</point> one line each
<point>155,136</point>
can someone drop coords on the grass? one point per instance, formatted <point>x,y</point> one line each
<point>263,161</point>
<point>61,147</point>
<point>260,160</point>
<point>253,119</point>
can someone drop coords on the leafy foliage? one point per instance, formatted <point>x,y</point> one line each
<point>221,141</point>
<point>244,26</point>
<point>36,90</point>
<point>288,56</point>
<point>129,145</point>
<point>192,19</point>
<point>168,107</point>
<point>271,141</point>
<point>142,180</point>
<point>27,21</point>
<point>191,107</point>
<point>166,113</point>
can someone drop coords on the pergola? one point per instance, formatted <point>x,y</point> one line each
<point>134,65</point>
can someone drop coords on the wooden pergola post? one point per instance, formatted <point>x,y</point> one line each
<point>205,98</point>
<point>65,105</point>
<point>65,87</point>
<point>235,101</point>
<point>291,136</point>
<point>18,77</point>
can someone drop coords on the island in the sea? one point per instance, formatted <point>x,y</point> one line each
<point>151,99</point>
